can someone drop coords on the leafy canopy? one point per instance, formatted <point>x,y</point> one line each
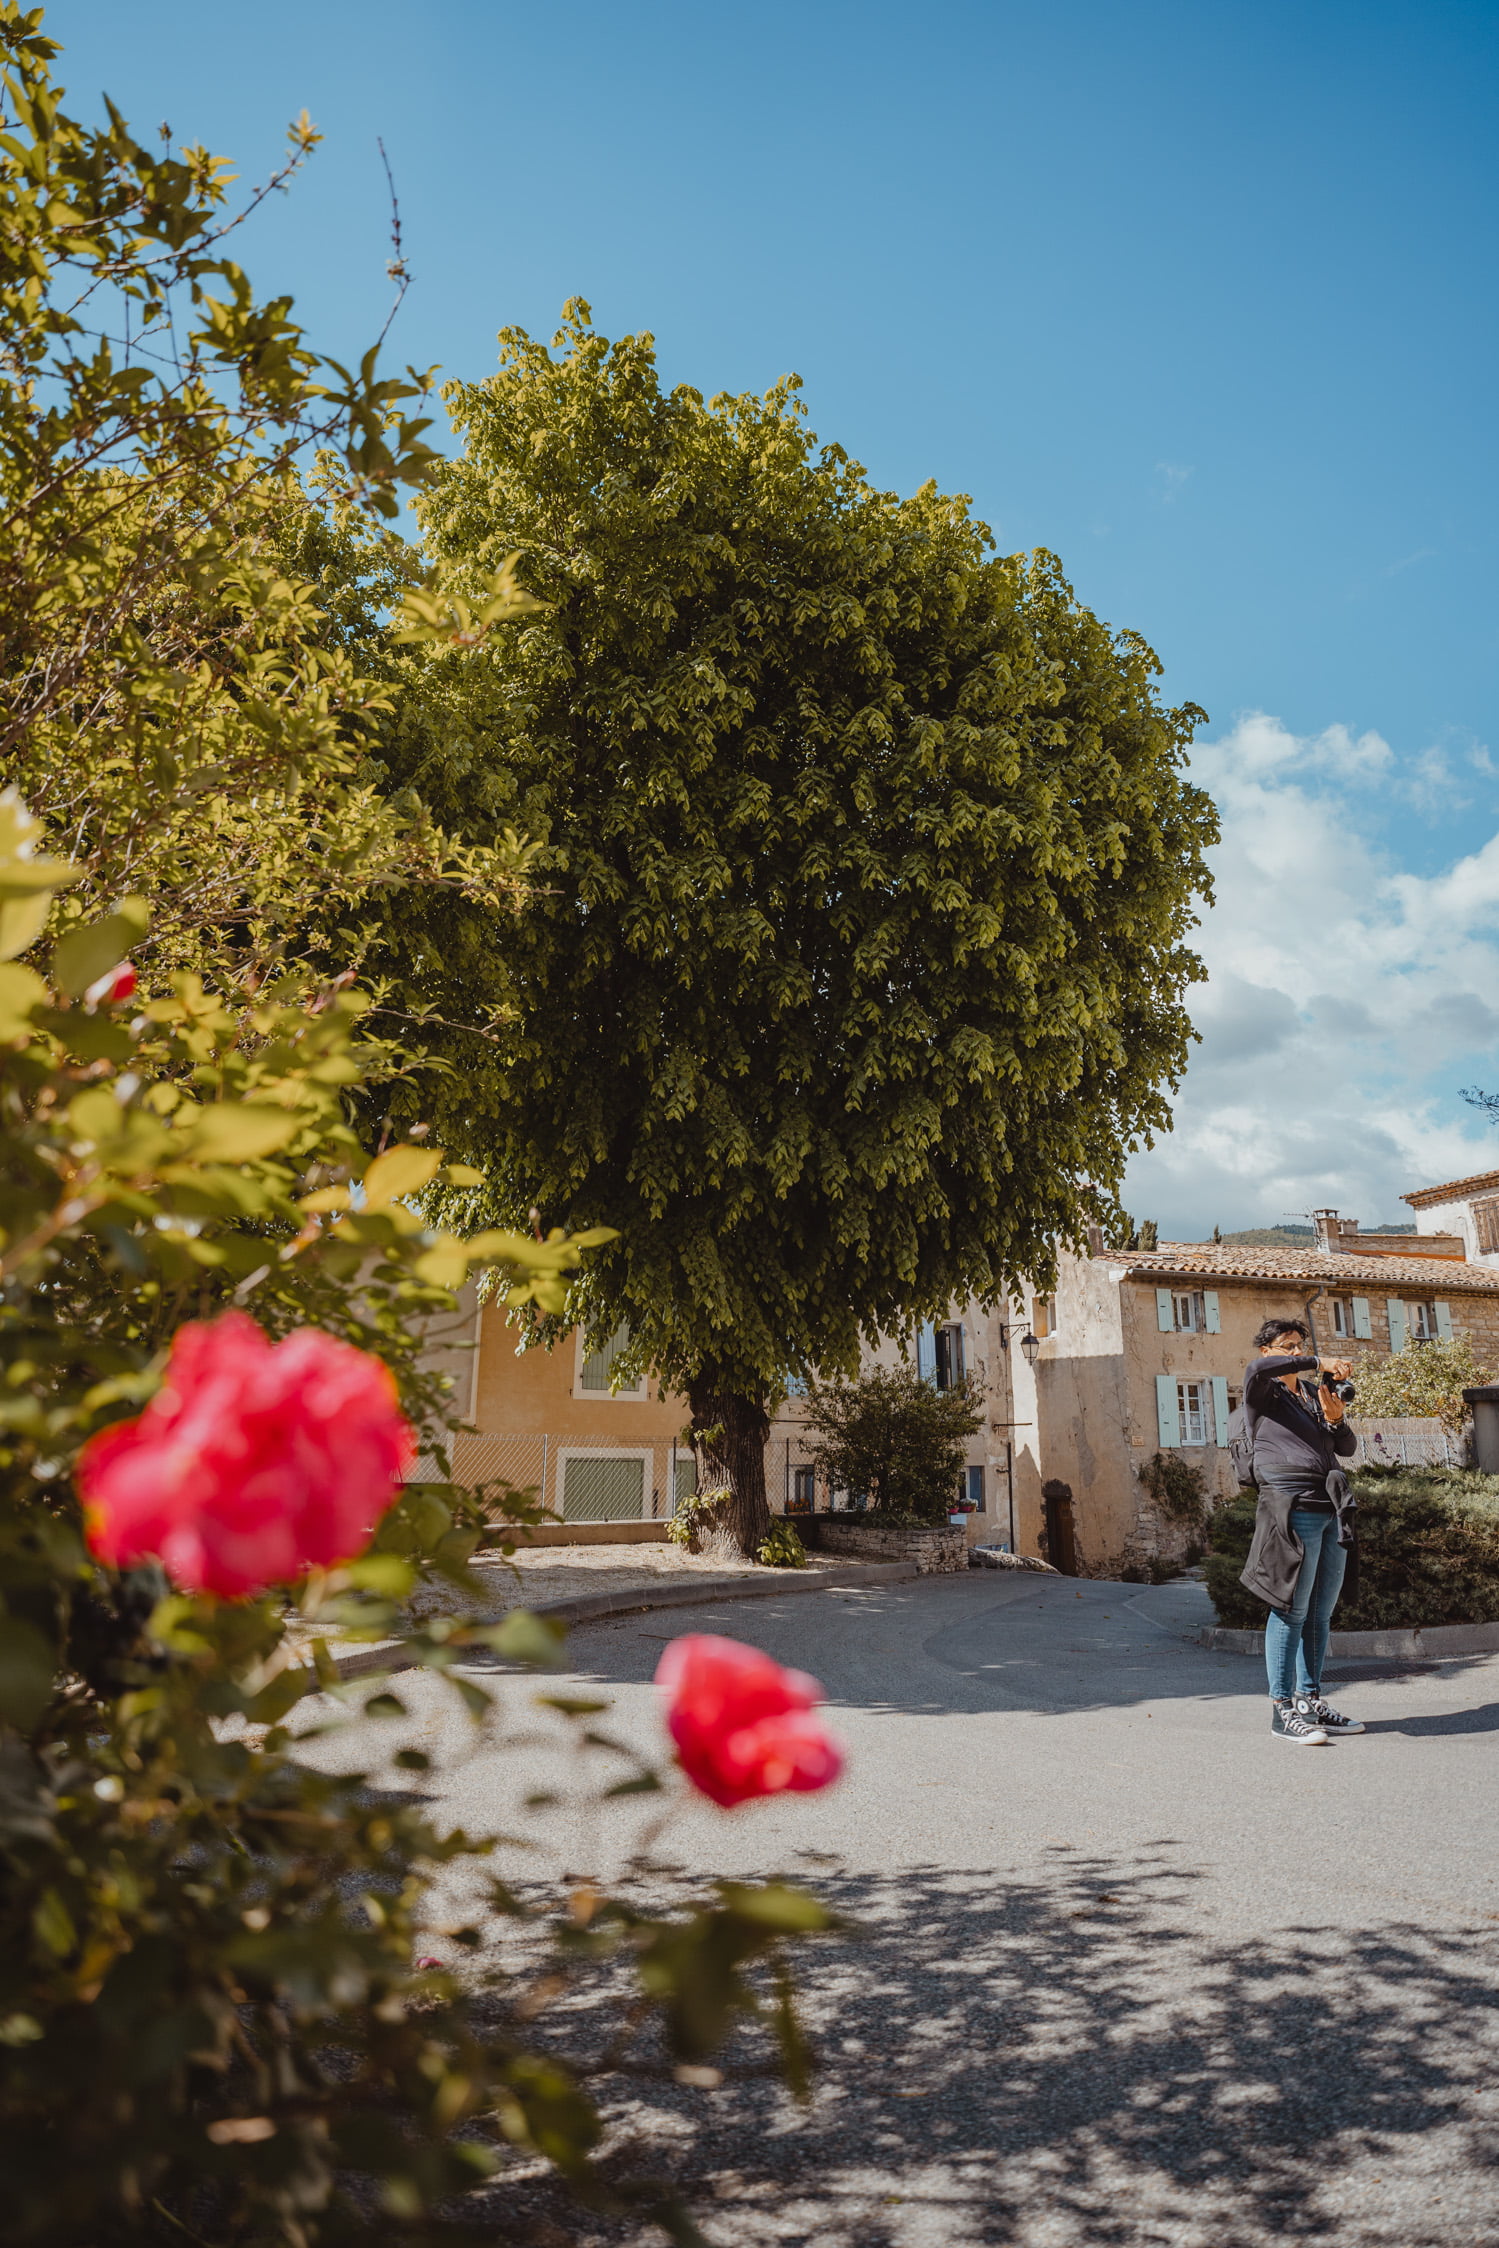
<point>859,960</point>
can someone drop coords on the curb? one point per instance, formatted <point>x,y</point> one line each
<point>590,1607</point>
<point>1425,1643</point>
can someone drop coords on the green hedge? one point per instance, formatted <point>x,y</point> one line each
<point>1428,1552</point>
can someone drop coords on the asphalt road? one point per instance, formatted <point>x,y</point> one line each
<point>1128,1970</point>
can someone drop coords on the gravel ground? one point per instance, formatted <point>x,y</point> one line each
<point>545,1573</point>
<point>1126,1970</point>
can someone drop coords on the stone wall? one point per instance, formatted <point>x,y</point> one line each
<point>935,1552</point>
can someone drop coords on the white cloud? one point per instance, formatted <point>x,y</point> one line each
<point>1347,999</point>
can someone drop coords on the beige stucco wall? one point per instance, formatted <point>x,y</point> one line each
<point>1457,1217</point>
<point>529,1414</point>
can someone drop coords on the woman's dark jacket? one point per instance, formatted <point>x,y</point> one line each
<point>1296,1454</point>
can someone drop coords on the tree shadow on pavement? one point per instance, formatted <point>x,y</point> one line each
<point>1078,2063</point>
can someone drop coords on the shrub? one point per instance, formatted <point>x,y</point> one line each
<point>1425,1380</point>
<point>895,1439</point>
<point>699,1518</point>
<point>783,1549</point>
<point>1428,1553</point>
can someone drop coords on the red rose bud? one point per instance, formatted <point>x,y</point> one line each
<point>109,990</point>
<point>254,1462</point>
<point>743,1726</point>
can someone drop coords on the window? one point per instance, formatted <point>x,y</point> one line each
<point>1187,1311</point>
<point>1342,1316</point>
<point>940,1356</point>
<point>971,1488</point>
<point>949,1356</point>
<point>803,1491</point>
<point>1422,1322</point>
<point>1192,1408</point>
<point>595,1374</point>
<point>1043,1317</point>
<point>599,1489</point>
<point>1486,1220</point>
<point>686,1480</point>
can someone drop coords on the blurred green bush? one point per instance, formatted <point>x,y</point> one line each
<point>1428,1552</point>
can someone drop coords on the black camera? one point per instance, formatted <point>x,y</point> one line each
<point>1344,1390</point>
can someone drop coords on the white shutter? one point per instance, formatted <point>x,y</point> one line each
<point>1168,1419</point>
<point>1444,1323</point>
<point>960,1349</point>
<point>1210,1311</point>
<point>1165,1312</point>
<point>926,1352</point>
<point>1396,1311</point>
<point>1363,1326</point>
<point>1220,1409</point>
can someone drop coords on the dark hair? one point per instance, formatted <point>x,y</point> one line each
<point>1274,1328</point>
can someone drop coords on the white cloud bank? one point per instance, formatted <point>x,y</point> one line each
<point>1347,999</point>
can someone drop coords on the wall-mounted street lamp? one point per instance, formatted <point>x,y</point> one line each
<point>1031,1346</point>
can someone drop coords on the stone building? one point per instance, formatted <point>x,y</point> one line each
<point>1144,1352</point>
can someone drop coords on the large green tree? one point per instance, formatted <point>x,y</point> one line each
<point>861,958</point>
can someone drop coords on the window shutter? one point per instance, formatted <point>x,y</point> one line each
<point>1165,1312</point>
<point>1444,1323</point>
<point>1168,1419</point>
<point>1220,1408</point>
<point>960,1353</point>
<point>926,1352</point>
<point>1363,1326</point>
<point>1210,1311</point>
<point>1396,1310</point>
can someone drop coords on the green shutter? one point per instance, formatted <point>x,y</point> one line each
<point>598,1366</point>
<point>1210,1311</point>
<point>1220,1409</point>
<point>1167,1416</point>
<point>1444,1323</point>
<point>1165,1311</point>
<point>686,1480</point>
<point>1363,1326</point>
<point>1396,1311</point>
<point>603,1490</point>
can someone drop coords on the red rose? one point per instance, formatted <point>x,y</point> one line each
<point>254,1462</point>
<point>743,1726</point>
<point>112,988</point>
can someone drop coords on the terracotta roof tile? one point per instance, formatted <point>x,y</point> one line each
<point>1210,1259</point>
<point>1454,1191</point>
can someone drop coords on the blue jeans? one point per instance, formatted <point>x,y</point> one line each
<point>1296,1637</point>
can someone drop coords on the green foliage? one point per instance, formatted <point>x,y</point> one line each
<point>1178,1488</point>
<point>894,1439</point>
<point>697,1517</point>
<point>1130,1235</point>
<point>173,699</point>
<point>1428,1552</point>
<point>783,1549</point>
<point>1423,1381</point>
<point>211,2021</point>
<point>869,870</point>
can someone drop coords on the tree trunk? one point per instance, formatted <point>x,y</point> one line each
<point>729,1434</point>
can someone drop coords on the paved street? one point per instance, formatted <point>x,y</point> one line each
<point>1129,1971</point>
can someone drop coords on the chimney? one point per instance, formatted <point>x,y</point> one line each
<point>1335,1236</point>
<point>1095,1240</point>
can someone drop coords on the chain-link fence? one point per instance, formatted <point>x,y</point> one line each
<point>579,1481</point>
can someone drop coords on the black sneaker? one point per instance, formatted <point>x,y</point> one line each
<point>1288,1724</point>
<point>1317,1712</point>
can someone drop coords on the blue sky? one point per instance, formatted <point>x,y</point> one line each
<point>1200,296</point>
